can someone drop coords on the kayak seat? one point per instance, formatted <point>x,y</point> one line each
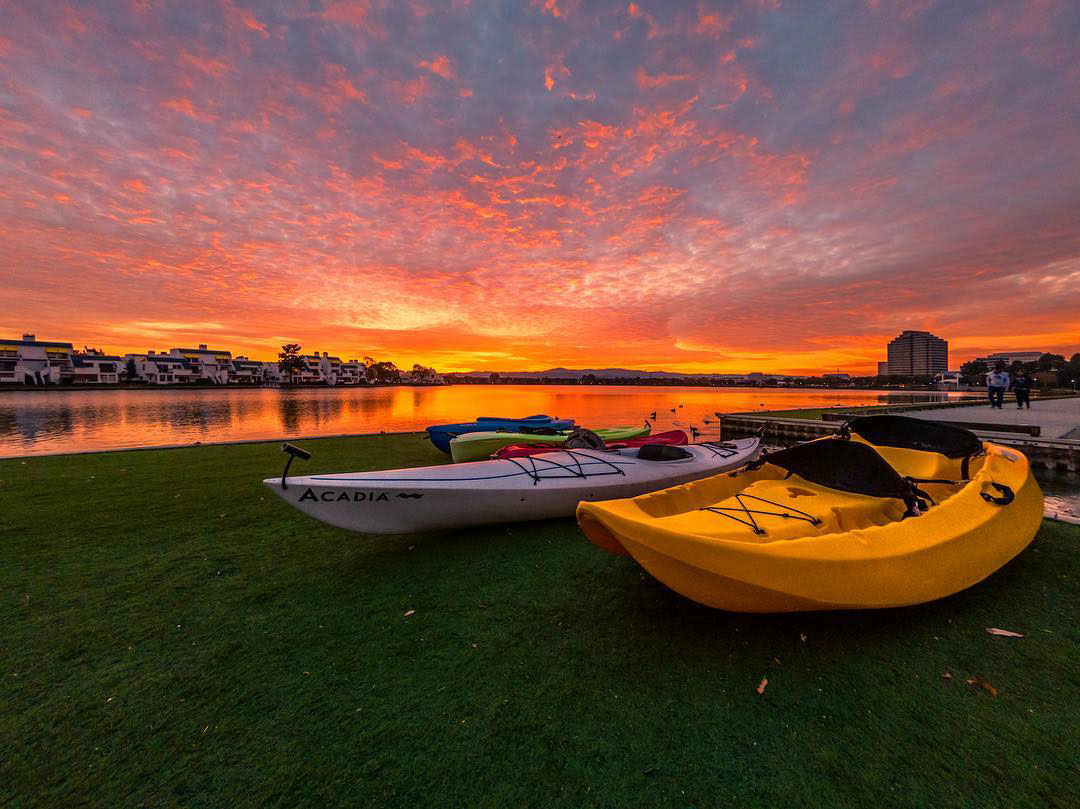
<point>790,509</point>
<point>662,452</point>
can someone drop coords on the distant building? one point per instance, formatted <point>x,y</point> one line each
<point>352,373</point>
<point>159,368</point>
<point>209,365</point>
<point>1009,357</point>
<point>837,377</point>
<point>246,372</point>
<point>330,369</point>
<point>91,369</point>
<point>883,368</point>
<point>30,361</point>
<point>917,353</point>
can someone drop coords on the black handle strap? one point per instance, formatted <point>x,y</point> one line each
<point>1007,495</point>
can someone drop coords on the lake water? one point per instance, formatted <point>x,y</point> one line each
<point>36,422</point>
<point>40,422</point>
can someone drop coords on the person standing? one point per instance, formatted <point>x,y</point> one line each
<point>996,382</point>
<point>1022,388</point>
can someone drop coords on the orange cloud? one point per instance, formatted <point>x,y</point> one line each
<point>440,66</point>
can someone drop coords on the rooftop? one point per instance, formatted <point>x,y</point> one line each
<point>36,343</point>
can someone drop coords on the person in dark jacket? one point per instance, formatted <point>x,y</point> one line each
<point>1022,388</point>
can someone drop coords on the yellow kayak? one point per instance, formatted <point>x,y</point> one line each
<point>481,446</point>
<point>896,511</point>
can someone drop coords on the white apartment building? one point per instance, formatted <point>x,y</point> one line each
<point>246,372</point>
<point>97,369</point>
<point>210,365</point>
<point>330,369</point>
<point>30,361</point>
<point>1009,357</point>
<point>160,368</point>
<point>352,373</point>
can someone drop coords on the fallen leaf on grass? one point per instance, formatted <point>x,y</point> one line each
<point>761,686</point>
<point>975,681</point>
<point>409,613</point>
<point>946,676</point>
<point>802,637</point>
<point>475,645</point>
<point>1005,633</point>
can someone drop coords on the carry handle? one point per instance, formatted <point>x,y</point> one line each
<point>1007,495</point>
<point>293,452</point>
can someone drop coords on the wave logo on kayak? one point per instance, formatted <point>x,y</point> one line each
<point>330,496</point>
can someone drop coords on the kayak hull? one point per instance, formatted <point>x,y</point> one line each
<point>454,496</point>
<point>441,434</point>
<point>861,555</point>
<point>480,446</point>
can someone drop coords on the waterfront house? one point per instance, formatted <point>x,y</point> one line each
<point>209,365</point>
<point>97,369</point>
<point>426,376</point>
<point>352,373</point>
<point>160,368</point>
<point>310,374</point>
<point>271,373</point>
<point>330,369</point>
<point>246,372</point>
<point>30,361</point>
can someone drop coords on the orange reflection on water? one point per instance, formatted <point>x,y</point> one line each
<point>33,422</point>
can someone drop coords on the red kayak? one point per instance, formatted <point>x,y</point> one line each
<point>675,437</point>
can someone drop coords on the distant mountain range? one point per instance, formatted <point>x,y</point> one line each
<point>612,373</point>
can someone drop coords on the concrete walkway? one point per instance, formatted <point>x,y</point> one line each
<point>1056,417</point>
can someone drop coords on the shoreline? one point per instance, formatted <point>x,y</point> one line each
<point>524,383</point>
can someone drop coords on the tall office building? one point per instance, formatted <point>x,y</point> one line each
<point>918,353</point>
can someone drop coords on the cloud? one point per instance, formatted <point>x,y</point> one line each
<point>773,187</point>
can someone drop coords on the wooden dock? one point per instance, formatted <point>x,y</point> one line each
<point>1051,458</point>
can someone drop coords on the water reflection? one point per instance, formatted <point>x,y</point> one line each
<point>73,420</point>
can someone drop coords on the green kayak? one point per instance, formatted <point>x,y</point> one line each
<point>481,446</point>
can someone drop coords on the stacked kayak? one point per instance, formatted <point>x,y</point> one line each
<point>441,434</point>
<point>530,488</point>
<point>896,511</point>
<point>480,446</point>
<point>672,438</point>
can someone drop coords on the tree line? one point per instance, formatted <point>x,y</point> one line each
<point>1065,370</point>
<point>291,361</point>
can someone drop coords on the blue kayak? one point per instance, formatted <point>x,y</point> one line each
<point>440,434</point>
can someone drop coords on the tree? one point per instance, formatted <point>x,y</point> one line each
<point>494,379</point>
<point>130,372</point>
<point>421,372</point>
<point>382,371</point>
<point>289,360</point>
<point>974,371</point>
<point>1051,362</point>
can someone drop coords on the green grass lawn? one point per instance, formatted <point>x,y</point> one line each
<point>173,634</point>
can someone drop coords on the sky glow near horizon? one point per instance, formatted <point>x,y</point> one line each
<point>725,187</point>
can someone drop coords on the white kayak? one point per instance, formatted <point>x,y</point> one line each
<point>537,487</point>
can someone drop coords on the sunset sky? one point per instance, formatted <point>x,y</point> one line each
<point>728,187</point>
